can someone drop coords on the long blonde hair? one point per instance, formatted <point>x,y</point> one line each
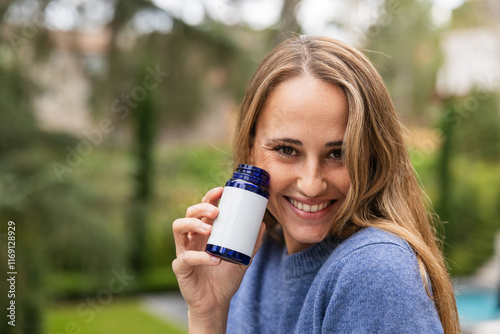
<point>384,191</point>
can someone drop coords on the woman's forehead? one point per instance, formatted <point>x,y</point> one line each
<point>305,105</point>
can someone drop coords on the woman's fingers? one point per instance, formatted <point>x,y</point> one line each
<point>202,210</point>
<point>199,218</point>
<point>184,226</point>
<point>184,264</point>
<point>213,196</point>
<point>188,232</point>
<point>190,235</point>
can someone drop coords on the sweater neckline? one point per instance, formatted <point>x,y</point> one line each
<point>308,260</point>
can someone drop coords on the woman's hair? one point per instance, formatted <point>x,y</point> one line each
<point>384,191</point>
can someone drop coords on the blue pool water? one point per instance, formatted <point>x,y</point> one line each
<point>476,305</point>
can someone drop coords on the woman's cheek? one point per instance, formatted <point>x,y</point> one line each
<point>264,159</point>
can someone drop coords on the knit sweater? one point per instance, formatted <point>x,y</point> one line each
<point>367,283</point>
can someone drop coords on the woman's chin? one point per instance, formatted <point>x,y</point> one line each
<point>298,239</point>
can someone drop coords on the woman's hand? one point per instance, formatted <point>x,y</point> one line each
<point>206,283</point>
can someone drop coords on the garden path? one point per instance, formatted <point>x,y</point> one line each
<point>169,307</point>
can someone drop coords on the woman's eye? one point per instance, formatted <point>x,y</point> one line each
<point>337,154</point>
<point>286,150</point>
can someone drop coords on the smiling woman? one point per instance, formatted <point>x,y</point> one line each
<point>349,246</point>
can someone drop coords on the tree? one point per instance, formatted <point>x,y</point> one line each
<point>404,47</point>
<point>179,93</point>
<point>288,19</point>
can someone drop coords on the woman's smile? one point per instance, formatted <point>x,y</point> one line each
<point>309,205</point>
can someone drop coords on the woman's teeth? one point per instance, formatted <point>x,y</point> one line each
<point>307,207</point>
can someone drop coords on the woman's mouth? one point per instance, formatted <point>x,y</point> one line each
<point>308,207</point>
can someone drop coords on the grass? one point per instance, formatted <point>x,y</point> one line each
<point>120,317</point>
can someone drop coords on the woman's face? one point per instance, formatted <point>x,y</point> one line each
<point>299,137</point>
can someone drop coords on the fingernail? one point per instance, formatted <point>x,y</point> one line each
<point>215,259</point>
<point>206,227</point>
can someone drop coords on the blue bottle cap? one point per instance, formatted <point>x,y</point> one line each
<point>254,171</point>
<point>250,178</point>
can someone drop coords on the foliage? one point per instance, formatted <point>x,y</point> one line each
<point>190,55</point>
<point>182,176</point>
<point>470,14</point>
<point>468,189</point>
<point>473,212</point>
<point>59,225</point>
<point>186,57</point>
<point>477,123</point>
<point>404,48</point>
<point>463,181</point>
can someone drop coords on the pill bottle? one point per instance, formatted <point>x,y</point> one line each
<point>241,210</point>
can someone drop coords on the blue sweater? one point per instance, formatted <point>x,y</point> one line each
<point>367,283</point>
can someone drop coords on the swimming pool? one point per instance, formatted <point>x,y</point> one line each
<point>477,304</point>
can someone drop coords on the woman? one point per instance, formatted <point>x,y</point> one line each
<point>350,246</point>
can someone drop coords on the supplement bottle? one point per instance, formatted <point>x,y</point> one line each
<point>241,210</point>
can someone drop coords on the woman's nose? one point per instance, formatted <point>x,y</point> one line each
<point>311,181</point>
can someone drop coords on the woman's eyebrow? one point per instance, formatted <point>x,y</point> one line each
<point>285,140</point>
<point>299,143</point>
<point>334,143</point>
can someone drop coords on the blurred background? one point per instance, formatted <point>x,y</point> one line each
<point>115,116</point>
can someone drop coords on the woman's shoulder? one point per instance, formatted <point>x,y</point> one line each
<point>372,242</point>
<point>372,252</point>
<point>375,275</point>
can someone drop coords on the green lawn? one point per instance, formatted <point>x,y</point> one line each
<point>120,317</point>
